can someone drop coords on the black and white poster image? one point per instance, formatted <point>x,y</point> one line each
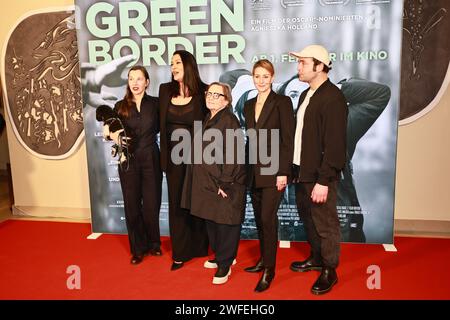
<point>42,81</point>
<point>425,57</point>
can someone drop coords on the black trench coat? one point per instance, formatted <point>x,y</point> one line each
<point>203,180</point>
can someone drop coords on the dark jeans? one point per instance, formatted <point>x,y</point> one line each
<point>321,223</point>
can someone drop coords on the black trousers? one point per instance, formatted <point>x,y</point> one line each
<point>187,232</point>
<point>265,203</point>
<point>141,189</point>
<point>321,223</point>
<point>224,241</point>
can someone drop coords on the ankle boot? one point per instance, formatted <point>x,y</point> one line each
<point>326,281</point>
<point>266,279</point>
<point>256,268</point>
<point>306,265</point>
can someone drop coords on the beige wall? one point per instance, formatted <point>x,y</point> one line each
<point>423,160</point>
<point>37,182</point>
<point>423,166</point>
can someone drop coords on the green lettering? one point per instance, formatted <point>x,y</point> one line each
<point>226,51</point>
<point>126,22</point>
<point>99,49</point>
<point>109,22</point>
<point>158,17</point>
<point>235,19</point>
<point>202,49</point>
<point>148,54</point>
<point>122,43</point>
<point>187,16</point>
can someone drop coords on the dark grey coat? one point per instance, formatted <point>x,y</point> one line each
<point>203,180</point>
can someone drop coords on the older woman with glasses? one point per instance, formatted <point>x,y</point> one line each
<point>218,181</point>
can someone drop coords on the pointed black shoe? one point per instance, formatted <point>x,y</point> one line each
<point>306,265</point>
<point>257,268</point>
<point>266,279</point>
<point>137,259</point>
<point>176,266</point>
<point>326,281</point>
<point>155,252</point>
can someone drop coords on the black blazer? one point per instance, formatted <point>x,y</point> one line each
<point>323,151</point>
<point>276,114</point>
<point>164,100</point>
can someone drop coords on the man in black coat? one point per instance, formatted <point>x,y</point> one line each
<point>319,157</point>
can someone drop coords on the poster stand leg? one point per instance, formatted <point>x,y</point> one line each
<point>285,244</point>
<point>94,236</point>
<point>389,248</point>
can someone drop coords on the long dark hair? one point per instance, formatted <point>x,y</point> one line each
<point>191,77</point>
<point>127,102</point>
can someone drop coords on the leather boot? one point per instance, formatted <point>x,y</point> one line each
<point>326,281</point>
<point>306,265</point>
<point>256,268</point>
<point>266,279</point>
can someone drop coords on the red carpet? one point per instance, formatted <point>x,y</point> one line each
<point>34,257</point>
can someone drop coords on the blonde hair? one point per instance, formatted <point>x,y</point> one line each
<point>266,64</point>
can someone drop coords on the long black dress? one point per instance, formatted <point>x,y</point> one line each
<point>187,232</point>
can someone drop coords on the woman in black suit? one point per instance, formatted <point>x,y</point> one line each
<point>182,101</point>
<point>273,113</point>
<point>140,175</point>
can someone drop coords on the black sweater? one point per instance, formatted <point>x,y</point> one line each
<point>323,151</point>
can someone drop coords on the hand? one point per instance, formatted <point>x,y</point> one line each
<point>110,74</point>
<point>97,99</point>
<point>319,193</point>
<point>115,136</point>
<point>222,193</point>
<point>124,141</point>
<point>281,182</point>
<point>106,131</point>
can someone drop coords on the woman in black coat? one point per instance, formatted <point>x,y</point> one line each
<point>217,187</point>
<point>274,113</point>
<point>182,101</point>
<point>140,175</point>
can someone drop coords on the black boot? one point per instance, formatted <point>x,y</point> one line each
<point>306,265</point>
<point>326,281</point>
<point>257,268</point>
<point>266,279</point>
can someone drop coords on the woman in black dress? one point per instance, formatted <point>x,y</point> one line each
<point>182,101</point>
<point>140,175</point>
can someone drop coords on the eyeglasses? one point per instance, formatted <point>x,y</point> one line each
<point>214,95</point>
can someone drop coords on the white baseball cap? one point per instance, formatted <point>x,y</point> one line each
<point>314,51</point>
